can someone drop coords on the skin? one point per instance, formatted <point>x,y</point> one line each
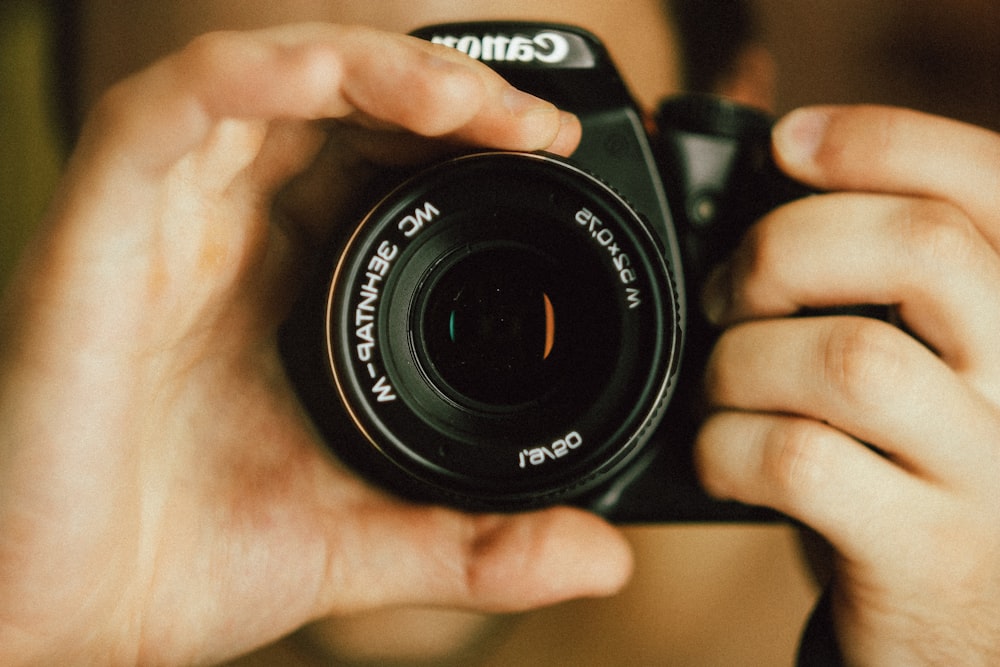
<point>139,526</point>
<point>914,524</point>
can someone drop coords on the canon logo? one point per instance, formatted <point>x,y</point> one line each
<point>549,48</point>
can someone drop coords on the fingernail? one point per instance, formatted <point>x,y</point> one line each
<point>797,136</point>
<point>716,295</point>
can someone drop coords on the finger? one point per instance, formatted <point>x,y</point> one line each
<point>865,378</point>
<point>878,149</point>
<point>495,563</point>
<point>312,72</point>
<point>285,148</point>
<point>924,256</point>
<point>811,472</point>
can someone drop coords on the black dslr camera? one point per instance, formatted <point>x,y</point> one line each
<point>505,331</point>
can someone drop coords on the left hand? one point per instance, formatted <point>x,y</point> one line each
<point>163,497</point>
<point>912,220</point>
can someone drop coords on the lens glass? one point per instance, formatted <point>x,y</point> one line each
<point>493,327</point>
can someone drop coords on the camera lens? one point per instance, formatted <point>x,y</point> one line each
<point>503,328</point>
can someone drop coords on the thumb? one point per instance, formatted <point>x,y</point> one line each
<point>494,563</point>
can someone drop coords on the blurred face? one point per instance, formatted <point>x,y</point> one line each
<point>119,38</point>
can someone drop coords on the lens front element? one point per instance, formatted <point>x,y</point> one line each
<point>488,330</point>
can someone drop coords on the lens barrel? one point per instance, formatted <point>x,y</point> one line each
<point>504,328</point>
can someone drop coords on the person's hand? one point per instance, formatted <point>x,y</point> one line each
<point>163,499</point>
<point>913,220</point>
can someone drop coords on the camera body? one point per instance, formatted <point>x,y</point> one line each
<point>505,331</point>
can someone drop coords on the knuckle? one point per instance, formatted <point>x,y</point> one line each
<point>938,235</point>
<point>209,48</point>
<point>797,459</point>
<point>862,361</point>
<point>437,95</point>
<point>114,122</point>
<point>448,101</point>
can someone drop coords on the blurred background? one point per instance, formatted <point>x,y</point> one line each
<point>30,157</point>
<point>943,57</point>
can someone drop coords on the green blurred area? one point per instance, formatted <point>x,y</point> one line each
<point>30,155</point>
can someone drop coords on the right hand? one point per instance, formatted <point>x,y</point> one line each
<point>885,440</point>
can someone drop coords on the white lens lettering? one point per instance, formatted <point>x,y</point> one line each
<point>562,447</point>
